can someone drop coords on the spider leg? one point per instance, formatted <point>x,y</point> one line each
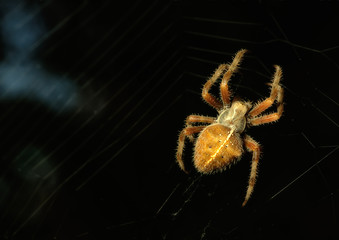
<point>224,92</point>
<point>187,131</point>
<point>197,119</point>
<point>209,98</point>
<point>253,147</point>
<point>266,118</point>
<point>277,93</point>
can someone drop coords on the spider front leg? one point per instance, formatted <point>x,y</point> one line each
<point>209,98</point>
<point>277,93</point>
<point>253,147</point>
<point>224,92</point>
<point>188,131</point>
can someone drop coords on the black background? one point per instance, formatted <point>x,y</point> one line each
<point>103,166</point>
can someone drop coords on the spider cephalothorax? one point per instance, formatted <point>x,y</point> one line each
<point>221,142</point>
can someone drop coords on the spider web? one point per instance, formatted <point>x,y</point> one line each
<point>93,96</point>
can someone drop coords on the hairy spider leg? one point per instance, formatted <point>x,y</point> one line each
<point>197,119</point>
<point>253,147</point>
<point>209,98</point>
<point>277,93</point>
<point>181,143</point>
<point>224,91</point>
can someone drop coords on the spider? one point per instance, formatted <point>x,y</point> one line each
<point>221,140</point>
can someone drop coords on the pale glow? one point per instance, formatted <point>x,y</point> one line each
<point>21,74</point>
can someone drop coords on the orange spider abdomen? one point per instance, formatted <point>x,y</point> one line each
<point>215,149</point>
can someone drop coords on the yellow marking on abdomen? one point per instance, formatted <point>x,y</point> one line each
<point>218,150</point>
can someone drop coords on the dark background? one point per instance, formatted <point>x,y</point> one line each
<point>93,95</point>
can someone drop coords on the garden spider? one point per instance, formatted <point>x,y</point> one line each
<point>220,143</point>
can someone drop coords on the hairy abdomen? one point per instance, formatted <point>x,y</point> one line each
<point>215,149</point>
